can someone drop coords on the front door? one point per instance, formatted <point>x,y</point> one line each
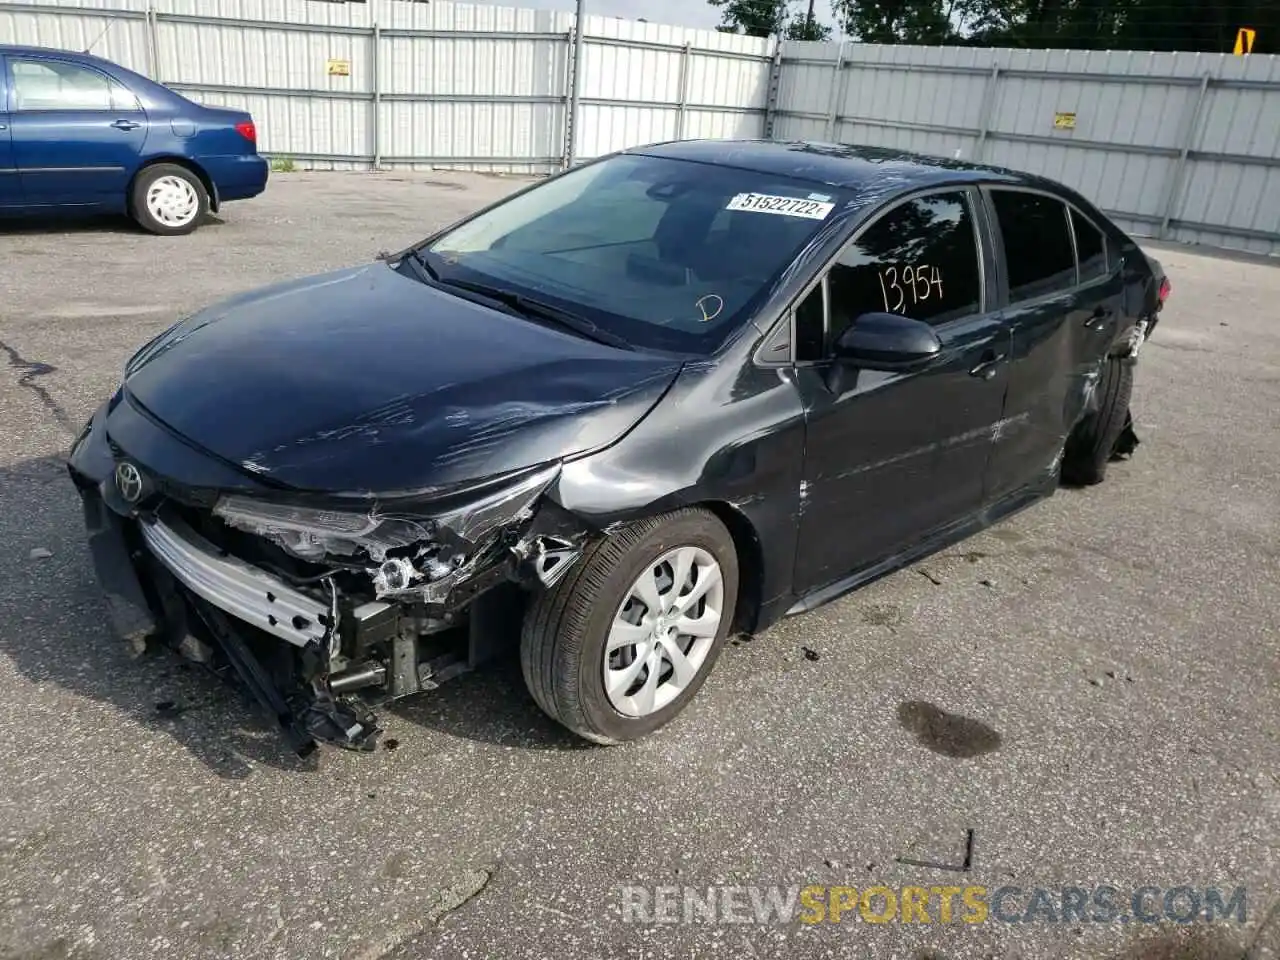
<point>890,457</point>
<point>76,134</point>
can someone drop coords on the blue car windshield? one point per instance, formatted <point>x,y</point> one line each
<point>667,254</point>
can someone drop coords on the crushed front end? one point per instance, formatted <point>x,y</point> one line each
<point>320,606</point>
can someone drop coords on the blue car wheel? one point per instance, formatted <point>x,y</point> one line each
<point>169,200</point>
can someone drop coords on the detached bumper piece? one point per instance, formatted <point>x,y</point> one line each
<point>228,588</point>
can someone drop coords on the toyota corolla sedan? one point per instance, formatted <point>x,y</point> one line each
<point>83,134</point>
<point>670,395</point>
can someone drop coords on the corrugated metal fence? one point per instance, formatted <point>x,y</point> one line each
<point>1178,146</point>
<point>1183,146</point>
<point>391,83</point>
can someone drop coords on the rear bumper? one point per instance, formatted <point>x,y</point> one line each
<point>236,177</point>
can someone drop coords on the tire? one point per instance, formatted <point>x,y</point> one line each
<point>168,199</point>
<point>1090,445</point>
<point>566,630</point>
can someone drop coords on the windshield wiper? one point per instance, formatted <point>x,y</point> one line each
<point>526,306</point>
<point>419,259</point>
<point>530,307</point>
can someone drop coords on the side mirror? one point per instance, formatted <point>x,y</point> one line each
<point>887,341</point>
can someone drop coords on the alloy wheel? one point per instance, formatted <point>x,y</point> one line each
<point>662,631</point>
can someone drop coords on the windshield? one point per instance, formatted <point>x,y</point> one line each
<point>668,254</point>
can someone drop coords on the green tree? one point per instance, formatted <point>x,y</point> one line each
<point>755,18</point>
<point>807,27</point>
<point>1162,25</point>
<point>768,18</point>
<point>1073,24</point>
<point>894,21</point>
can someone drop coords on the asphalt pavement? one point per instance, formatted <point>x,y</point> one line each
<point>1086,695</point>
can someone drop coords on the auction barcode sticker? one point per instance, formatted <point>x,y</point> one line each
<point>782,206</point>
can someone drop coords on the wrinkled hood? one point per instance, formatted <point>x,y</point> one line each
<point>367,381</point>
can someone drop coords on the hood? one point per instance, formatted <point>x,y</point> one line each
<point>367,381</point>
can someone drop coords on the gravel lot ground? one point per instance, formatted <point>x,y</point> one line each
<point>1119,647</point>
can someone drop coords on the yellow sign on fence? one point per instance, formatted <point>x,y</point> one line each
<point>1244,40</point>
<point>1064,121</point>
<point>339,68</point>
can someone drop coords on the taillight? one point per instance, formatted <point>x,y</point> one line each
<point>248,131</point>
<point>1166,288</point>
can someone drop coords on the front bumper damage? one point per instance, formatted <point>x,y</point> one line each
<point>319,641</point>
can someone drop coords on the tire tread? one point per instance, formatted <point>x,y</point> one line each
<point>555,626</point>
<point>1090,445</point>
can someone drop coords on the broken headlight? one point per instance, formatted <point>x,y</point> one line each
<point>310,533</point>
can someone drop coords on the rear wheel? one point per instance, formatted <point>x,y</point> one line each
<point>1091,444</point>
<point>626,640</point>
<point>168,199</point>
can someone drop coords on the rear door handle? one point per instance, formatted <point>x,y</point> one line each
<point>989,366</point>
<point>1099,319</point>
<point>125,125</point>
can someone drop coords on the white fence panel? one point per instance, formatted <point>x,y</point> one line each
<point>118,32</point>
<point>416,84</point>
<point>1184,146</point>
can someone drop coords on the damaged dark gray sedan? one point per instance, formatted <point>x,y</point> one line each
<point>670,395</point>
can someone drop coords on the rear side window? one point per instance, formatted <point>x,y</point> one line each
<point>919,260</point>
<point>1037,244</point>
<point>57,85</point>
<point>1091,248</point>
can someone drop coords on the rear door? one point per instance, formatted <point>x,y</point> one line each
<point>76,133</point>
<point>10,187</point>
<point>1062,309</point>
<point>890,457</point>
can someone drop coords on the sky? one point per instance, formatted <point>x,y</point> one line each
<point>685,13</point>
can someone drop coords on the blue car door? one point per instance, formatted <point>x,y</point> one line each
<point>75,132</point>
<point>10,188</point>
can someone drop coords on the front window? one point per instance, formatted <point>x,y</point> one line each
<point>668,254</point>
<point>58,85</point>
<point>919,260</point>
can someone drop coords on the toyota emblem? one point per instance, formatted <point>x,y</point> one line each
<point>129,482</point>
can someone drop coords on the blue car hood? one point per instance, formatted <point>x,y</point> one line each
<point>368,381</point>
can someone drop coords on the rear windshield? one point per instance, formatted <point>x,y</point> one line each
<point>669,254</point>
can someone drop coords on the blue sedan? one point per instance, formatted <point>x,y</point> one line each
<point>80,133</point>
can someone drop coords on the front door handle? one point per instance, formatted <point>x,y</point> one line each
<point>125,125</point>
<point>989,366</point>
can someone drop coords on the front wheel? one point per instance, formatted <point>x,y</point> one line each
<point>620,646</point>
<point>168,199</point>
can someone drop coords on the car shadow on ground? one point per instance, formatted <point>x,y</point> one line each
<point>54,224</point>
<point>490,705</point>
<point>54,630</point>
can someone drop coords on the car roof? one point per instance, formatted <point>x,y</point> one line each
<point>20,50</point>
<point>841,165</point>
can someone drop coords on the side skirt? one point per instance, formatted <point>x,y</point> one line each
<point>937,540</point>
